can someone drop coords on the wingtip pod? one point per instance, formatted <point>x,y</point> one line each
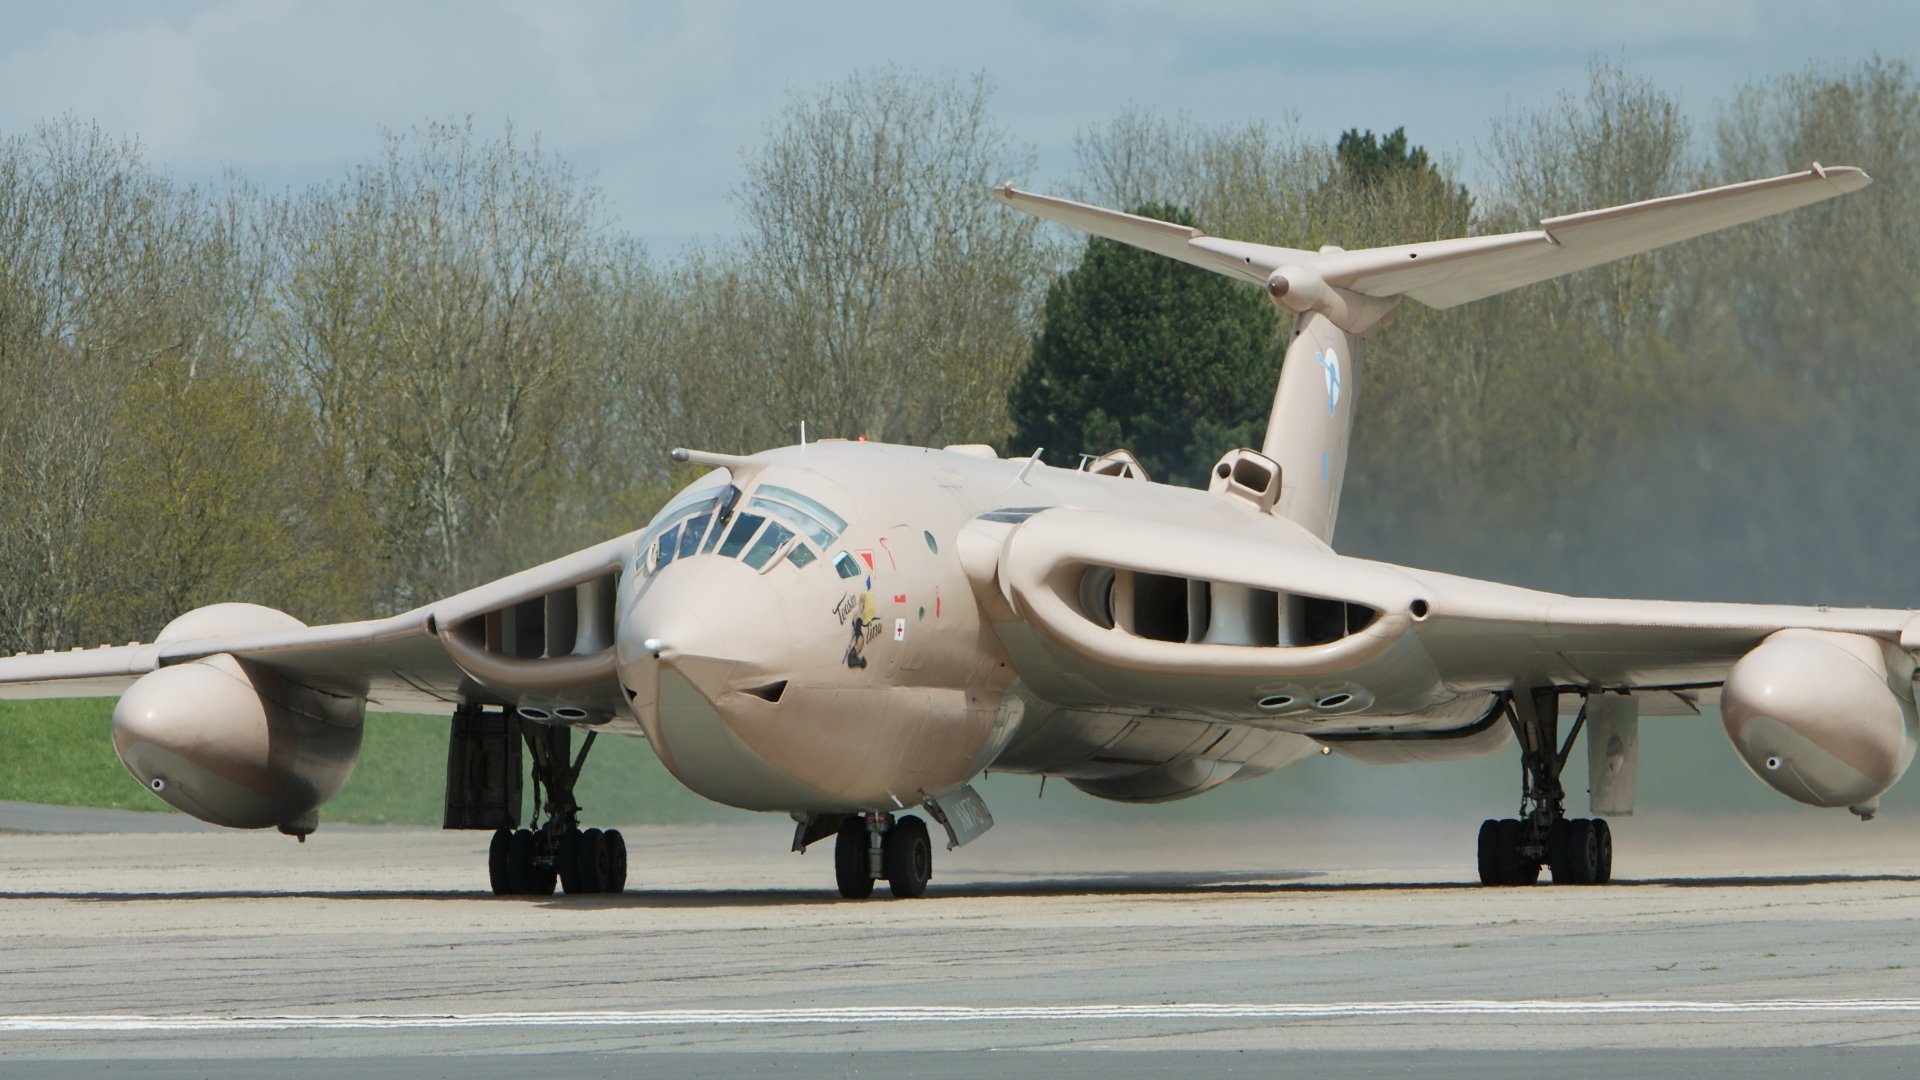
<point>1824,718</point>
<point>233,744</point>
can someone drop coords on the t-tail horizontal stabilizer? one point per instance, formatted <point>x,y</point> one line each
<point>1337,296</point>
<point>1443,273</point>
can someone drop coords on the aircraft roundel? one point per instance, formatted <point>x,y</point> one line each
<point>1330,367</point>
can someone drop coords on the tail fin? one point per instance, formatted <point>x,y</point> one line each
<point>1338,296</point>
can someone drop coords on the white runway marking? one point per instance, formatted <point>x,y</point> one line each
<point>906,1014</point>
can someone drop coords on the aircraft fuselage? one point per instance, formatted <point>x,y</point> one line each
<point>874,667</point>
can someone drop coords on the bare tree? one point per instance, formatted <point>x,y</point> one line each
<point>437,317</point>
<point>89,241</point>
<point>898,295</point>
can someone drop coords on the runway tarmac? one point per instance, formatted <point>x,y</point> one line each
<point>1776,947</point>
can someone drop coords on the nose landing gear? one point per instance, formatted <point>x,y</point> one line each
<point>876,845</point>
<point>1578,851</point>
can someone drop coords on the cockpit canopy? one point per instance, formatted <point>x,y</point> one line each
<point>776,522</point>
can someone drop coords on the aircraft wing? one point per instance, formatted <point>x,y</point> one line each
<point>543,635</point>
<point>1481,633</point>
<point>1099,610</point>
<point>1443,273</point>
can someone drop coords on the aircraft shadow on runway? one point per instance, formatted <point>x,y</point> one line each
<point>1119,883</point>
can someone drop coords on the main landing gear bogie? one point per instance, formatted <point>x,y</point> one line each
<point>1577,851</point>
<point>524,862</point>
<point>531,862</point>
<point>873,846</point>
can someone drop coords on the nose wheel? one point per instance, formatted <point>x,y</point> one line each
<point>876,845</point>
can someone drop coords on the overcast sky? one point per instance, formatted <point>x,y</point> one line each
<point>655,102</point>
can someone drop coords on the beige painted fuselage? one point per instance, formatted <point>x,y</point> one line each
<point>793,687</point>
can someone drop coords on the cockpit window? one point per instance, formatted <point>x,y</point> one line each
<point>744,526</point>
<point>846,565</point>
<point>662,551</point>
<point>818,523</point>
<point>671,535</point>
<point>805,503</point>
<point>769,542</point>
<point>770,526</point>
<point>690,535</point>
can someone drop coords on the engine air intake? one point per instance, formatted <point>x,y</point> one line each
<point>1162,607</point>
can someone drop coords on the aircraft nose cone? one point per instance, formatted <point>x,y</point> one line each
<point>698,640</point>
<point>718,623</point>
<point>693,611</point>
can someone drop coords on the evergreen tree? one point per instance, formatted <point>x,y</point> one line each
<point>1366,158</point>
<point>1138,351</point>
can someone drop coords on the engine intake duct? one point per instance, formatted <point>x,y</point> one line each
<point>548,641</point>
<point>1167,598</point>
<point>1162,607</point>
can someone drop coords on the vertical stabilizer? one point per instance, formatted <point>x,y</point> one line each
<point>1312,421</point>
<point>1337,296</point>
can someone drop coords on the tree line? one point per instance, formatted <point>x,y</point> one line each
<point>446,364</point>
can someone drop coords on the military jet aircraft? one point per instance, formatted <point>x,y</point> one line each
<point>845,631</point>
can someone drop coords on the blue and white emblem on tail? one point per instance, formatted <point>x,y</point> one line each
<point>1330,363</point>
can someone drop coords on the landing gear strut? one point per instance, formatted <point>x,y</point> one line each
<point>529,862</point>
<point>877,845</point>
<point>1578,851</point>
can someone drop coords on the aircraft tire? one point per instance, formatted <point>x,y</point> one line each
<point>497,852</point>
<point>1500,861</point>
<point>519,863</point>
<point>1586,850</point>
<point>850,859</point>
<point>540,879</point>
<point>1603,862</point>
<point>616,861</point>
<point>1563,852</point>
<point>564,862</point>
<point>1489,852</point>
<point>590,861</point>
<point>908,856</point>
<point>1521,870</point>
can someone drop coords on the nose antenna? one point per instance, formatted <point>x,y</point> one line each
<point>707,457</point>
